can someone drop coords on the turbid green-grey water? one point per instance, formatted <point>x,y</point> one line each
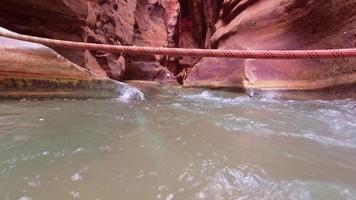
<point>178,144</point>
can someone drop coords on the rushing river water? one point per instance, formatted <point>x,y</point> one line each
<point>178,144</point>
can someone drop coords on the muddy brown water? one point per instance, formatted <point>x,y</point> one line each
<point>178,144</point>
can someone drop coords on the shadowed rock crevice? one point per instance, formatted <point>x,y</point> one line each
<point>150,29</point>
<point>196,25</point>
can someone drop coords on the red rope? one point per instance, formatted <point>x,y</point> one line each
<point>254,54</point>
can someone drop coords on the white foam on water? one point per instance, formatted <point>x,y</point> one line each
<point>208,96</point>
<point>325,122</point>
<point>76,177</point>
<point>246,182</point>
<point>127,92</point>
<point>75,194</point>
<point>221,165</point>
<point>266,95</point>
<point>25,198</point>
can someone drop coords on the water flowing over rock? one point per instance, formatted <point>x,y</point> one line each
<point>29,70</point>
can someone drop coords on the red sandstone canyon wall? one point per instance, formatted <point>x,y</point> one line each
<point>282,25</point>
<point>223,24</point>
<point>119,22</point>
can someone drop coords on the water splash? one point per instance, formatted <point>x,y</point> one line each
<point>208,96</point>
<point>252,182</point>
<point>211,145</point>
<point>325,122</point>
<point>127,92</point>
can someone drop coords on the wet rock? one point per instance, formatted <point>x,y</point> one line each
<point>283,25</point>
<point>29,70</point>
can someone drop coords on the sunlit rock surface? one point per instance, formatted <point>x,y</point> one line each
<point>283,25</point>
<point>29,70</point>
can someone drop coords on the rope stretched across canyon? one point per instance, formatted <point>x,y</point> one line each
<point>135,50</point>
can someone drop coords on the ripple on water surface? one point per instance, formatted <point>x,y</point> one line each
<point>178,144</point>
<point>327,122</point>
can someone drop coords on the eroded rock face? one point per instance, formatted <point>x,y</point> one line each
<point>195,27</point>
<point>150,30</point>
<point>60,19</point>
<point>109,22</point>
<point>30,70</point>
<point>120,22</point>
<point>223,24</point>
<point>283,24</point>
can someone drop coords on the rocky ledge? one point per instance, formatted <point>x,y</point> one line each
<point>29,70</point>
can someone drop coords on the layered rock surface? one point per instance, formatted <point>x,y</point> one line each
<point>150,30</point>
<point>223,24</point>
<point>282,25</point>
<point>35,71</point>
